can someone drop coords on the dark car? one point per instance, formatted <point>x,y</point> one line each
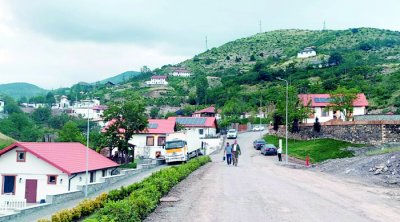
<point>269,149</point>
<point>257,144</point>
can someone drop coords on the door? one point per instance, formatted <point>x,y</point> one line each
<point>30,191</point>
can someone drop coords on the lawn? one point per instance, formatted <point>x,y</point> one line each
<point>5,141</point>
<point>318,149</point>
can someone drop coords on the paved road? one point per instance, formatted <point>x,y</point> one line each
<point>261,189</point>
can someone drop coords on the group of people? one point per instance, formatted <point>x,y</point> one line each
<point>232,153</point>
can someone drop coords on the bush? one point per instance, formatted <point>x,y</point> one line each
<point>131,203</point>
<point>129,165</point>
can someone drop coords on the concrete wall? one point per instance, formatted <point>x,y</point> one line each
<point>368,132</point>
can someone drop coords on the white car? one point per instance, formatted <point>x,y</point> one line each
<point>232,134</point>
<point>258,128</point>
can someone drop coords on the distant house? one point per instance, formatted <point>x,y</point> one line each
<point>319,102</point>
<point>198,127</point>
<point>181,72</point>
<point>307,52</point>
<point>33,170</point>
<point>151,141</point>
<point>88,109</point>
<point>2,103</point>
<point>207,112</point>
<point>64,102</point>
<point>157,80</point>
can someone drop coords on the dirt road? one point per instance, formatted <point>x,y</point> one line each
<point>261,189</point>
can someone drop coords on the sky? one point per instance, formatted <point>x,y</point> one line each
<point>57,43</point>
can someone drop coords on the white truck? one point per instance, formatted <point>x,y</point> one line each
<point>179,147</point>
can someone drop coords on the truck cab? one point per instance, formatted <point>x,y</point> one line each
<point>176,150</point>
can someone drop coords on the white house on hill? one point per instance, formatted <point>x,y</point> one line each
<point>33,170</point>
<point>181,73</point>
<point>157,80</point>
<point>307,52</point>
<point>2,106</point>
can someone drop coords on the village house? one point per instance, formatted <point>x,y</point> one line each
<point>150,143</point>
<point>181,72</point>
<point>33,170</point>
<point>198,127</point>
<point>319,103</point>
<point>157,80</point>
<point>307,52</point>
<point>208,112</point>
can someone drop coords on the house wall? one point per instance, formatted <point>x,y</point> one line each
<point>1,106</point>
<point>33,168</point>
<point>157,82</point>
<point>306,54</point>
<point>147,151</point>
<point>93,114</point>
<point>318,113</point>
<point>80,178</point>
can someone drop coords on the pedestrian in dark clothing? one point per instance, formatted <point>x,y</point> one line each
<point>228,153</point>
<point>235,153</point>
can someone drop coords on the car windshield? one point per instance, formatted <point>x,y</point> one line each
<point>174,144</point>
<point>232,131</point>
<point>261,142</point>
<point>269,146</point>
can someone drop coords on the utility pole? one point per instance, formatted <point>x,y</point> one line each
<point>260,27</point>
<point>206,44</point>
<point>260,114</point>
<point>324,27</point>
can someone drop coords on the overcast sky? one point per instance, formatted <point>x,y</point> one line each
<point>55,43</point>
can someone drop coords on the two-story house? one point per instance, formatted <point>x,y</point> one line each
<point>307,52</point>
<point>157,80</point>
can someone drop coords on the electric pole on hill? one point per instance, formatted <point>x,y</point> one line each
<point>206,44</point>
<point>324,27</point>
<point>260,27</point>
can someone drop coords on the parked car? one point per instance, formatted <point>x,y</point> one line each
<point>257,144</point>
<point>269,149</point>
<point>258,128</point>
<point>232,134</point>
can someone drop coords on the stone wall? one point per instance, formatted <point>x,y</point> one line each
<point>366,132</point>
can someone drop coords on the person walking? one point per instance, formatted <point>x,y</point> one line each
<point>228,153</point>
<point>236,152</point>
<point>280,154</point>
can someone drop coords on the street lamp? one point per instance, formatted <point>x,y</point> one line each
<point>287,89</point>
<point>87,153</point>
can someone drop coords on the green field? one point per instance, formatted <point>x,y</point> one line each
<point>318,149</point>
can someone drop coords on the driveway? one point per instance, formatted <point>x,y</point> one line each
<point>262,189</point>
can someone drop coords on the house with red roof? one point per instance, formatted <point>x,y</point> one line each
<point>207,112</point>
<point>33,170</point>
<point>181,72</point>
<point>150,143</point>
<point>319,102</point>
<point>157,80</point>
<point>198,126</point>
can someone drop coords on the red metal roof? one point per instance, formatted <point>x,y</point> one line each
<point>210,109</point>
<point>68,157</point>
<point>162,126</point>
<point>209,121</point>
<point>361,100</point>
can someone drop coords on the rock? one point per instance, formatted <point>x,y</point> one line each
<point>381,166</point>
<point>385,169</point>
<point>372,169</point>
<point>378,171</point>
<point>348,171</point>
<point>169,199</point>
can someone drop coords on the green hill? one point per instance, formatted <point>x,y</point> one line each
<point>5,141</point>
<point>363,58</point>
<point>120,78</point>
<point>20,89</point>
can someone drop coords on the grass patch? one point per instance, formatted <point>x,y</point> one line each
<point>318,149</point>
<point>129,165</point>
<point>383,151</point>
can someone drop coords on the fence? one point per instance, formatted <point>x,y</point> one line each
<point>10,202</point>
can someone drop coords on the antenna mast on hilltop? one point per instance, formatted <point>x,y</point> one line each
<point>324,27</point>
<point>206,44</point>
<point>260,27</point>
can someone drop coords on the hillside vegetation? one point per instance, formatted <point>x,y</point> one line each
<point>363,58</point>
<point>5,141</point>
<point>21,89</point>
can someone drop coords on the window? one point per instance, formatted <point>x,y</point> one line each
<point>150,141</point>
<point>161,141</point>
<point>201,131</point>
<point>8,184</point>
<point>92,177</point>
<point>324,112</point>
<point>104,173</point>
<point>51,179</point>
<point>21,156</point>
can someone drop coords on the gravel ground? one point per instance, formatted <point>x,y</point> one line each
<point>261,189</point>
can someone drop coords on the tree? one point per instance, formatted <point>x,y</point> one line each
<point>10,105</point>
<point>335,58</point>
<point>154,112</point>
<point>252,58</point>
<point>50,100</point>
<point>19,127</point>
<point>41,115</point>
<point>342,99</point>
<point>201,89</point>
<point>125,119</point>
<point>71,133</point>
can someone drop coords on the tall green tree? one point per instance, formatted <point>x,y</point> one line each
<point>342,99</point>
<point>71,133</point>
<point>125,118</point>
<point>201,89</point>
<point>20,127</point>
<point>41,115</point>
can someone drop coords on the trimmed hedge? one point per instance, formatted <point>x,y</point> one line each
<point>132,203</point>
